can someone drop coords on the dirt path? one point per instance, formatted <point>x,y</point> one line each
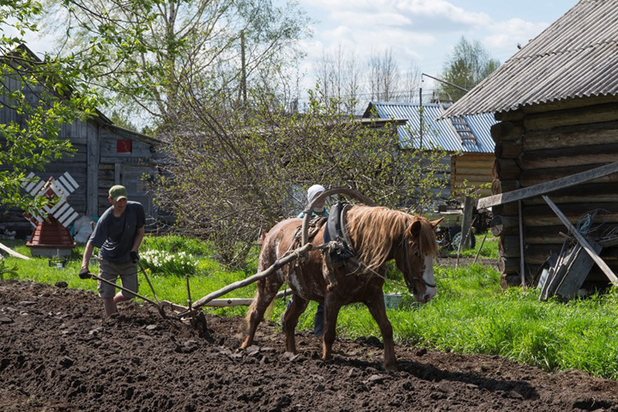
<point>58,354</point>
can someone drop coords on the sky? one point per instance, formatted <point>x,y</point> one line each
<point>420,33</point>
<point>424,32</point>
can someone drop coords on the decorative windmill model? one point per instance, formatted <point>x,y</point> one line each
<point>51,236</point>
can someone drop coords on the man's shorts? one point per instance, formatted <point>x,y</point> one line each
<point>110,271</point>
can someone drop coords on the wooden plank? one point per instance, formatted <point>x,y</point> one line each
<point>576,273</point>
<point>522,265</point>
<point>13,253</point>
<point>582,241</point>
<point>543,188</point>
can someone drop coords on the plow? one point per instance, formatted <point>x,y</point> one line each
<point>193,311</point>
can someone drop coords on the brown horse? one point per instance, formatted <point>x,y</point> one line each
<point>377,235</point>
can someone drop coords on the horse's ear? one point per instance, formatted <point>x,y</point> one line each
<point>434,223</point>
<point>415,228</point>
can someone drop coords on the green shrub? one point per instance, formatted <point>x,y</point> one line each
<point>175,243</point>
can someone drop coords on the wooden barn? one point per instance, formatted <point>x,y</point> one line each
<point>556,101</point>
<point>106,155</point>
<point>467,140</point>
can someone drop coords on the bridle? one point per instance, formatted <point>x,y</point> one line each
<point>403,246</point>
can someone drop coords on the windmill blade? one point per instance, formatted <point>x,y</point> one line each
<point>60,210</point>
<point>30,182</point>
<point>68,182</point>
<point>34,220</point>
<point>36,191</point>
<point>68,217</point>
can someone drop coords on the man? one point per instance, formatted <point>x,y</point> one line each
<point>118,234</point>
<point>318,210</point>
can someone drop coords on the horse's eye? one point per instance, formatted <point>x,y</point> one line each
<point>417,253</point>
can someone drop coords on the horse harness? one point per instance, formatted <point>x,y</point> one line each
<point>337,245</point>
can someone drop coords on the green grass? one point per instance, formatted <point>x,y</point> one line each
<point>471,313</point>
<point>489,248</point>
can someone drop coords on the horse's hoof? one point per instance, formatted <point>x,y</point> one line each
<point>290,356</point>
<point>391,368</point>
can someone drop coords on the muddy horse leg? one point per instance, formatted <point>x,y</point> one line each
<point>331,311</point>
<point>266,291</point>
<point>378,311</point>
<point>290,320</point>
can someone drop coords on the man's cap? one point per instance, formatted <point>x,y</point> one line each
<point>118,192</point>
<point>313,191</point>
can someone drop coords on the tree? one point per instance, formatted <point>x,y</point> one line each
<point>38,96</point>
<point>383,76</point>
<point>231,177</point>
<point>465,67</point>
<point>339,77</point>
<point>149,52</point>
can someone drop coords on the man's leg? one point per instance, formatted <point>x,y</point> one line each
<point>106,291</point>
<point>128,277</point>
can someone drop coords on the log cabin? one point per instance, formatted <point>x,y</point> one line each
<point>556,102</point>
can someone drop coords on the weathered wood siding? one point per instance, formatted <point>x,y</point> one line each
<point>472,170</point>
<point>134,170</point>
<point>540,144</point>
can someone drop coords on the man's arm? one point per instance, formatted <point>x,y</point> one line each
<point>87,255</point>
<point>139,236</point>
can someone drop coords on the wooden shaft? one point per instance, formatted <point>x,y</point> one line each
<point>148,280</point>
<point>241,283</point>
<point>225,302</point>
<point>549,186</point>
<point>126,290</point>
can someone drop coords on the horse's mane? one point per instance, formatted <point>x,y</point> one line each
<point>373,231</point>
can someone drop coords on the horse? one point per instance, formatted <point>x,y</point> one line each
<point>376,235</point>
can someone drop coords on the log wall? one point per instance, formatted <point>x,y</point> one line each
<point>540,144</point>
<point>472,170</point>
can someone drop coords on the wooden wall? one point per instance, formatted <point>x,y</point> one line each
<point>475,169</point>
<point>540,144</point>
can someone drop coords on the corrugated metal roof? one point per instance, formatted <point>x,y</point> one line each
<point>436,133</point>
<point>577,56</point>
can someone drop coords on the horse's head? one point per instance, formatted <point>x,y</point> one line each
<point>414,257</point>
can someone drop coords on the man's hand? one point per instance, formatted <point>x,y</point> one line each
<point>85,274</point>
<point>134,256</point>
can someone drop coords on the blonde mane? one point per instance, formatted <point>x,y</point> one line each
<point>374,231</point>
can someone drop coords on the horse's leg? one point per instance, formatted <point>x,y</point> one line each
<point>331,311</point>
<point>290,320</point>
<point>266,291</point>
<point>378,311</point>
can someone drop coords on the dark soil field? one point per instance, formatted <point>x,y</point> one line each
<point>57,353</point>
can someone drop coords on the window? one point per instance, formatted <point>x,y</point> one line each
<point>123,146</point>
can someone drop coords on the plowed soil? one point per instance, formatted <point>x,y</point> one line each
<point>57,353</point>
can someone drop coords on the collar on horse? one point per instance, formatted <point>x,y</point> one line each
<point>335,232</point>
